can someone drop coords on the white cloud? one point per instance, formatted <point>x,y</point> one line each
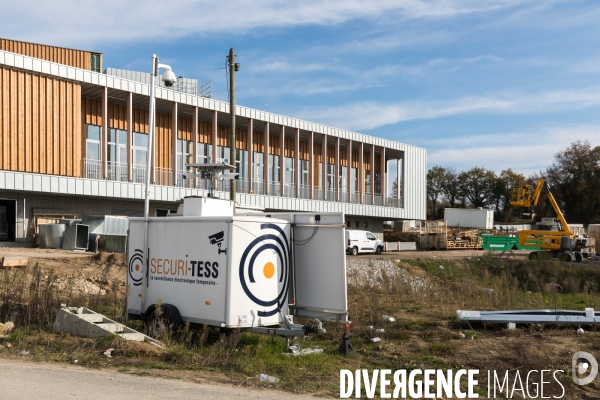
<point>524,152</point>
<point>370,115</point>
<point>78,22</point>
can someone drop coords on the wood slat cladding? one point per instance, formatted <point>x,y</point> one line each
<point>343,157</point>
<point>41,124</point>
<point>241,139</point>
<point>258,144</point>
<point>204,132</point>
<point>163,141</point>
<point>367,161</point>
<point>185,128</point>
<point>274,147</point>
<point>92,111</point>
<point>355,160</point>
<point>317,158</point>
<point>289,148</point>
<point>117,116</point>
<point>330,154</point>
<point>304,150</point>
<point>61,55</point>
<point>377,162</point>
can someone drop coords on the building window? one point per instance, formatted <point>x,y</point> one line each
<point>353,180</point>
<point>330,177</point>
<point>139,150</point>
<point>259,170</point>
<point>164,212</point>
<point>377,183</point>
<point>289,170</point>
<point>368,181</point>
<point>241,164</point>
<point>273,168</point>
<point>184,157</point>
<point>366,224</point>
<point>343,178</point>
<point>304,172</point>
<point>348,224</point>
<point>116,157</point>
<point>357,225</point>
<point>204,153</point>
<point>93,151</point>
<point>223,154</point>
<point>117,146</point>
<point>95,62</point>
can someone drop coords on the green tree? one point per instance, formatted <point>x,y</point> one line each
<point>507,180</point>
<point>574,179</point>
<point>451,187</point>
<point>435,187</point>
<point>478,186</point>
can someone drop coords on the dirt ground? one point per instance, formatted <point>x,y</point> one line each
<point>83,272</point>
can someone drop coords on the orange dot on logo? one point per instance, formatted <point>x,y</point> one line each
<point>269,270</point>
<point>137,267</point>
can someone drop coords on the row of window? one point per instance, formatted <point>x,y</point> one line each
<point>117,154</point>
<point>357,224</point>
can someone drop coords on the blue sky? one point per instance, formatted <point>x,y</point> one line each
<point>497,84</point>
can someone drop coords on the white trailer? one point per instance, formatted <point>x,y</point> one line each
<point>238,271</point>
<point>479,218</point>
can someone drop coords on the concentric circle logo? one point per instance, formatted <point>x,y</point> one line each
<point>135,267</point>
<point>258,258</point>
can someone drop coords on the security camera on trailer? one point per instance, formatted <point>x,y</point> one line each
<point>209,265</point>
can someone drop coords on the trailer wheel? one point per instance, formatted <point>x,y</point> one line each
<point>355,251</point>
<point>379,250</point>
<point>162,319</point>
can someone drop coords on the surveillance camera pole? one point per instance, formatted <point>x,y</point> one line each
<point>149,154</point>
<point>231,59</point>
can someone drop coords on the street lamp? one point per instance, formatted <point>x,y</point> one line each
<point>169,80</point>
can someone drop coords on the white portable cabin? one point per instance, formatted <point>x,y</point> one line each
<point>241,271</point>
<point>480,218</point>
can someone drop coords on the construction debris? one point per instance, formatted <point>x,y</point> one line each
<point>435,235</point>
<point>11,262</point>
<point>87,323</point>
<point>588,316</point>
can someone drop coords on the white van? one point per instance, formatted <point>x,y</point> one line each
<point>362,242</point>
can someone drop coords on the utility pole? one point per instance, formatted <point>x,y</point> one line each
<point>233,66</point>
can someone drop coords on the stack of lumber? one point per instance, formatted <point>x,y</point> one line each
<point>463,240</point>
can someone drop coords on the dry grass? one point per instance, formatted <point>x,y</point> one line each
<point>425,335</point>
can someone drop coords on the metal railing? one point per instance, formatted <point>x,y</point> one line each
<point>275,189</point>
<point>242,186</point>
<point>163,176</point>
<point>92,168</point>
<point>258,187</point>
<point>378,200</point>
<point>116,171</point>
<point>304,191</point>
<point>318,193</point>
<point>138,174</point>
<point>393,202</point>
<point>289,190</point>
<point>223,186</point>
<point>343,196</point>
<point>330,195</point>
<point>183,182</point>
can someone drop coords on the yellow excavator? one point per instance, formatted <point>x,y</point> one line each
<point>555,241</point>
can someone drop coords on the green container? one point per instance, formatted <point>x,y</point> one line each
<point>500,243</point>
